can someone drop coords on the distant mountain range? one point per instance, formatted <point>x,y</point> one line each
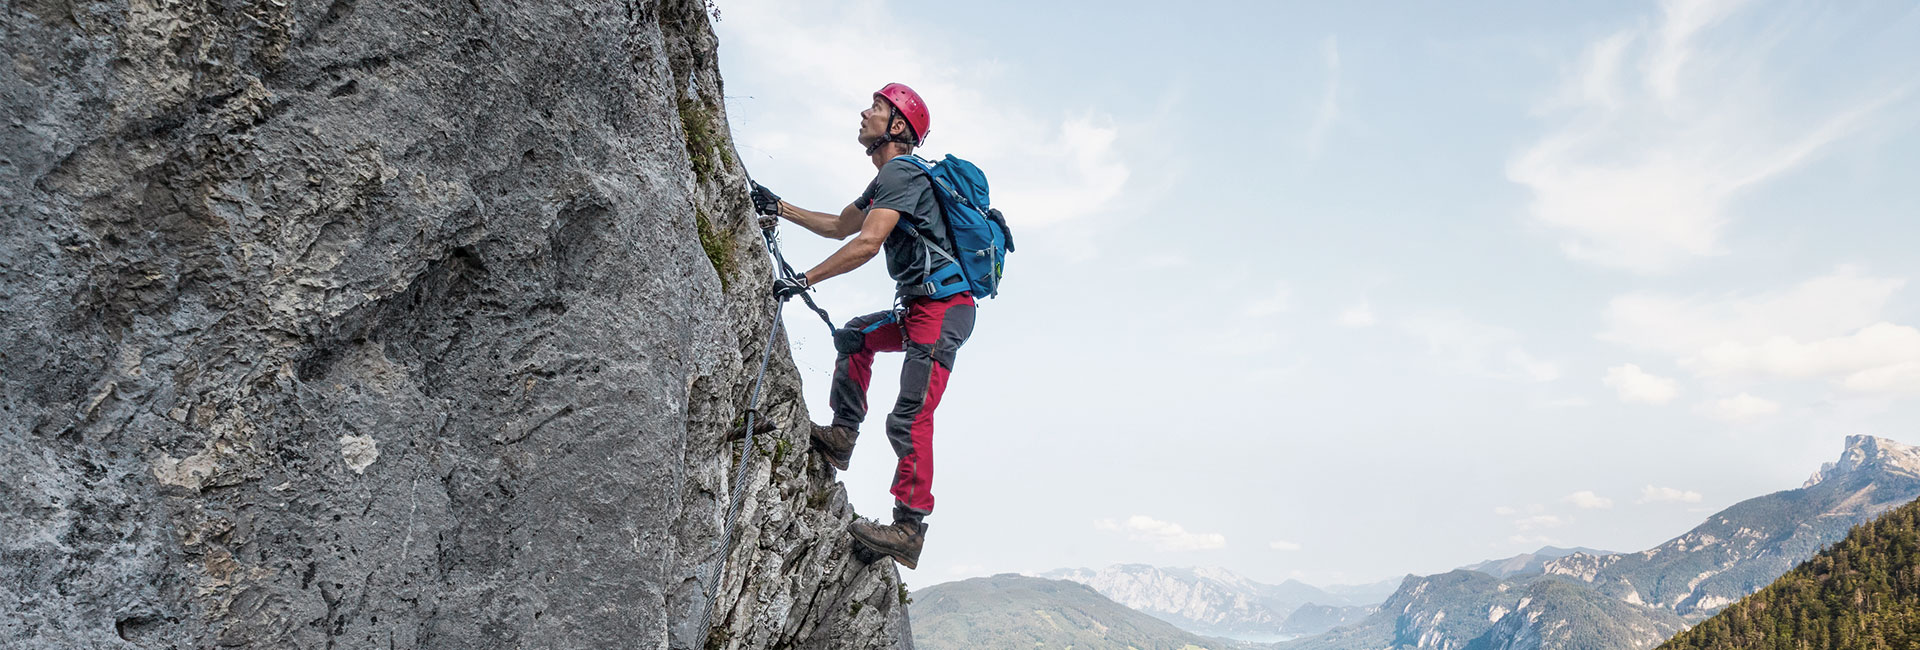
<point>1015,611</point>
<point>1552,599</point>
<point>1745,547</point>
<point>1467,609</point>
<point>1607,601</point>
<point>1528,563</point>
<point>1218,602</point>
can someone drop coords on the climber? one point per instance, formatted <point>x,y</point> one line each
<point>900,214</point>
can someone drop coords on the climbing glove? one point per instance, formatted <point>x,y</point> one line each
<point>785,288</point>
<point>765,201</point>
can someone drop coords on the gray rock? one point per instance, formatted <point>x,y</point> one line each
<point>398,324</point>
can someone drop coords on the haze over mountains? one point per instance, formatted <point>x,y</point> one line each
<point>1015,611</point>
<point>1554,598</point>
<point>1218,602</point>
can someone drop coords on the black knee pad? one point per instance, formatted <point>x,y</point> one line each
<point>847,340</point>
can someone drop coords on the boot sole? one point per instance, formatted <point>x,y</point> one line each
<point>835,461</point>
<point>904,561</point>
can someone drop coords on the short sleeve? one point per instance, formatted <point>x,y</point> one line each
<point>893,188</point>
<point>866,197</point>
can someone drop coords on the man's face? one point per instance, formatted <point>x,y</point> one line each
<point>874,121</point>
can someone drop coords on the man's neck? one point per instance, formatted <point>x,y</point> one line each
<point>888,152</point>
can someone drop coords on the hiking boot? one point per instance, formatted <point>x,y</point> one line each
<point>900,540</point>
<point>835,444</point>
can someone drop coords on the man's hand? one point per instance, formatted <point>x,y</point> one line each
<point>785,288</point>
<point>765,201</point>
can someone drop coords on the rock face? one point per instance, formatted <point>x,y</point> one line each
<point>1558,615</point>
<point>398,324</point>
<point>1870,454</point>
<point>1529,563</point>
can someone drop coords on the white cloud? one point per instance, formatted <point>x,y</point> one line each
<point>1166,260</point>
<point>1653,494</point>
<point>1830,327</point>
<point>1540,521</point>
<point>1636,385</point>
<point>815,66</point>
<point>1740,407</point>
<point>1056,191</point>
<point>1272,303</point>
<point>1829,305</point>
<point>1878,357</point>
<point>1587,500</point>
<point>1534,369</point>
<point>1530,525</point>
<point>1283,545</point>
<point>1479,349</point>
<point>1360,315</point>
<point>1661,127</point>
<point>1163,535</point>
<point>1898,377</point>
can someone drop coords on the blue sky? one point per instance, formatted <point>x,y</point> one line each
<point>1345,291</point>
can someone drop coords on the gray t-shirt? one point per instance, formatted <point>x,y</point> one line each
<point>902,187</point>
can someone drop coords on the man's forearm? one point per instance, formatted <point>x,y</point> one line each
<point>848,258</point>
<point>821,223</point>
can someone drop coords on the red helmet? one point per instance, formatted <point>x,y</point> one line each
<point>910,106</point>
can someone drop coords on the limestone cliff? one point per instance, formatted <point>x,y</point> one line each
<point>392,324</point>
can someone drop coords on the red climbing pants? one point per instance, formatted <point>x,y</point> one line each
<point>934,331</point>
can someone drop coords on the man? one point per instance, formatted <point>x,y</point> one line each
<point>900,214</point>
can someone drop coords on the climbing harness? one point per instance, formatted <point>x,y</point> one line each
<point>786,272</point>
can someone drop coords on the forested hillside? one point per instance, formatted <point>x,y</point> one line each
<point>1864,592</point>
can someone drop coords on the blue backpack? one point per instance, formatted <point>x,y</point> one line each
<point>979,233</point>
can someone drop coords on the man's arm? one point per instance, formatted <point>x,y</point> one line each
<point>873,231</point>
<point>834,226</point>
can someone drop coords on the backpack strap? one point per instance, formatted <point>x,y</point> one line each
<point>938,184</point>
<point>937,187</point>
<point>928,244</point>
<point>929,287</point>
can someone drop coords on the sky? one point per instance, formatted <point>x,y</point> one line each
<point>1340,292</point>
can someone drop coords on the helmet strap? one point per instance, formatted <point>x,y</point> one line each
<point>893,115</point>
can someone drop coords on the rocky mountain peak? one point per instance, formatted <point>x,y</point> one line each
<point>1868,453</point>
